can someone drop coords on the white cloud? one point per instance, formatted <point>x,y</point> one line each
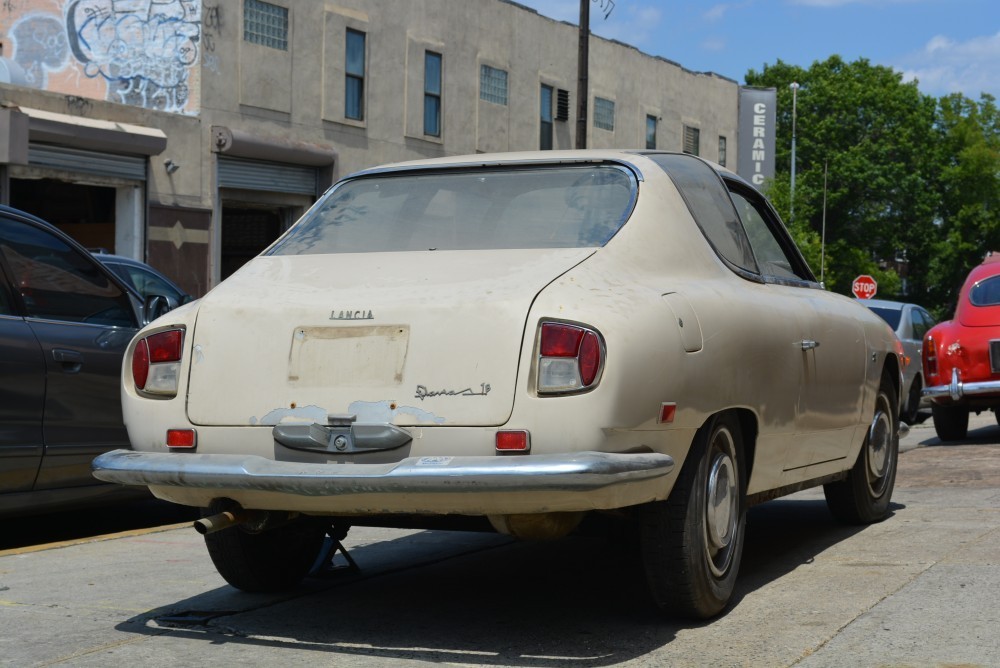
<point>714,44</point>
<point>630,23</point>
<point>947,66</point>
<point>718,12</point>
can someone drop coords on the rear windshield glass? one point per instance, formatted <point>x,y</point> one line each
<point>986,292</point>
<point>550,207</point>
<point>890,315</point>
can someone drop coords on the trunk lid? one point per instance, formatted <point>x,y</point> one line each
<point>416,338</point>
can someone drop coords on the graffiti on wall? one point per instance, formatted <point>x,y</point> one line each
<point>144,53</point>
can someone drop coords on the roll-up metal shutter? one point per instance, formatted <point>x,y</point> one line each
<point>90,162</point>
<point>270,176</point>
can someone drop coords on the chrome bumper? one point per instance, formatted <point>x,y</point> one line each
<point>407,481</point>
<point>957,389</point>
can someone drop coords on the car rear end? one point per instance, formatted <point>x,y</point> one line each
<point>962,355</point>
<point>401,350</point>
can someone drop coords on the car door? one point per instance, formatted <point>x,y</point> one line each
<point>82,320</point>
<point>22,396</point>
<point>831,350</point>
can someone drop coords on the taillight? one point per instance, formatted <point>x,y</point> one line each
<point>156,362</point>
<point>930,357</point>
<point>570,358</point>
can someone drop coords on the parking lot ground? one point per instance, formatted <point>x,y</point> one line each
<point>918,589</point>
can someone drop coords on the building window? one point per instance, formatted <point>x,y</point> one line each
<point>492,85</point>
<point>650,131</point>
<point>545,133</point>
<point>562,104</point>
<point>722,151</point>
<point>691,140</point>
<point>354,90</point>
<point>265,24</point>
<point>604,114</point>
<point>432,94</point>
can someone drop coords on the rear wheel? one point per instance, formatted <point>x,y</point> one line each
<point>273,560</point>
<point>863,497</point>
<point>693,542</point>
<point>950,422</point>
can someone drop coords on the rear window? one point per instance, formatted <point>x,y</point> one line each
<point>986,292</point>
<point>890,315</point>
<point>550,207</point>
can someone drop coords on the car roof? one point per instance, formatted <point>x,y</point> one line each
<point>111,258</point>
<point>883,303</point>
<point>9,210</point>
<point>525,158</point>
<point>120,259</point>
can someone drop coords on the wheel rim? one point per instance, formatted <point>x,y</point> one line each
<point>879,450</point>
<point>721,503</point>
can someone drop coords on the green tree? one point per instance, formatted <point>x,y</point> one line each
<point>969,181</point>
<point>871,135</point>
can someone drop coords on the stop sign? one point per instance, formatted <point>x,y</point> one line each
<point>864,287</point>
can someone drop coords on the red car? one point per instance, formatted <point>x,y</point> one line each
<point>962,356</point>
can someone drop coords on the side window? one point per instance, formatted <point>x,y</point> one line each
<point>928,321</point>
<point>57,282</point>
<point>708,201</point>
<point>917,325</point>
<point>150,284</point>
<point>772,257</point>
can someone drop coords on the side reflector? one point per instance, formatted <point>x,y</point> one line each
<point>182,438</point>
<point>513,441</point>
<point>667,411</point>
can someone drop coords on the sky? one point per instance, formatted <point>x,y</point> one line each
<point>948,46</point>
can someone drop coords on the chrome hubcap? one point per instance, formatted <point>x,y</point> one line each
<point>879,449</point>
<point>721,503</point>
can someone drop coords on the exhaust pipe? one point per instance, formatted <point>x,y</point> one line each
<point>254,521</point>
<point>220,521</point>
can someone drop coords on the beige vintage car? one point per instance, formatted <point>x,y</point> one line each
<point>524,337</point>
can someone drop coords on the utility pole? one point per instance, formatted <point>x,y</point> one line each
<point>583,71</point>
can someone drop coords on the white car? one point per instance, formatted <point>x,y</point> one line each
<point>527,337</point>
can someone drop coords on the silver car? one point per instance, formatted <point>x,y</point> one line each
<point>910,322</point>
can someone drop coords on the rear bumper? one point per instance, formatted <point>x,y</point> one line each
<point>437,485</point>
<point>956,389</point>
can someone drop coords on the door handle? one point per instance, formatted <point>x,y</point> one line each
<point>71,360</point>
<point>809,345</point>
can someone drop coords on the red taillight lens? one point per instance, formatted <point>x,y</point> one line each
<point>165,346</point>
<point>140,364</point>
<point>156,362</point>
<point>560,340</point>
<point>513,441</point>
<point>930,357</point>
<point>590,358</point>
<point>570,358</point>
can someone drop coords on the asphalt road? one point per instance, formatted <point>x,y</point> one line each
<point>918,589</point>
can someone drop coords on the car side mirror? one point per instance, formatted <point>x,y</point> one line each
<point>156,305</point>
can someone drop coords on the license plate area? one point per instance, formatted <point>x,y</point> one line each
<point>332,357</point>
